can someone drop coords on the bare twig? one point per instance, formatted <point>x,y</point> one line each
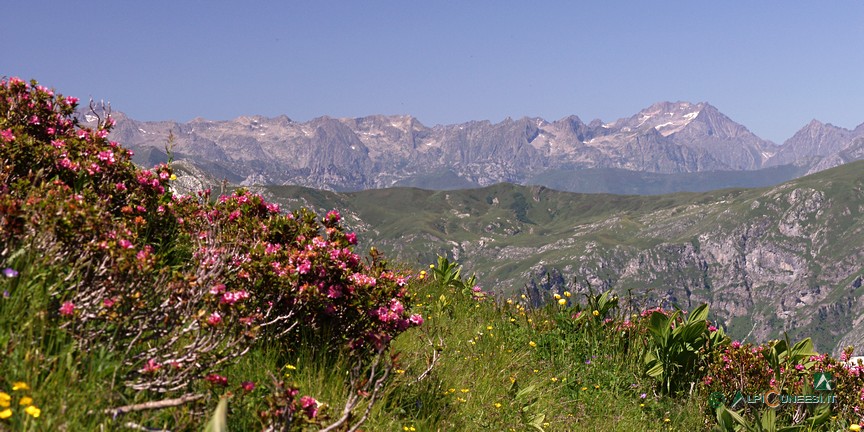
<point>165,403</point>
<point>436,355</point>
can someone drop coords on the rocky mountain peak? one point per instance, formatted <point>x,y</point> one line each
<point>383,150</point>
<point>666,118</point>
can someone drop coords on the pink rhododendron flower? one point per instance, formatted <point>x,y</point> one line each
<point>151,366</point>
<point>736,344</point>
<point>67,309</point>
<point>334,291</point>
<point>416,319</point>
<point>396,306</point>
<point>214,319</point>
<point>106,156</point>
<point>217,379</point>
<point>361,279</point>
<point>309,405</point>
<point>6,135</point>
<point>351,237</point>
<point>232,297</point>
<point>304,267</point>
<point>247,386</point>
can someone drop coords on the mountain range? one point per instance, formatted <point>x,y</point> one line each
<point>666,147</point>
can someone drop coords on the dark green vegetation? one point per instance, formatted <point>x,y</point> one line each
<point>768,260</point>
<point>619,181</point>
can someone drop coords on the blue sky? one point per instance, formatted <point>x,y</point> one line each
<point>769,65</point>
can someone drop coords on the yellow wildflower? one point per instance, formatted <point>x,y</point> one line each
<point>399,371</point>
<point>509,301</point>
<point>431,265</point>
<point>26,400</point>
<point>5,413</point>
<point>464,390</point>
<point>557,296</point>
<point>532,344</point>
<point>554,379</point>
<point>20,385</point>
<point>33,411</point>
<point>596,386</point>
<point>596,312</point>
<point>584,388</point>
<point>566,293</point>
<point>4,399</point>
<point>497,405</point>
<point>173,177</point>
<point>562,302</point>
<point>855,427</point>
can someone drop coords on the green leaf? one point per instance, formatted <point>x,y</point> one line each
<point>658,325</point>
<point>523,393</point>
<point>699,314</point>
<point>769,420</point>
<point>537,422</point>
<point>219,421</point>
<point>693,331</point>
<point>803,349</point>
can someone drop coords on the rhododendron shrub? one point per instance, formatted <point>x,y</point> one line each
<point>178,284</point>
<point>754,370</point>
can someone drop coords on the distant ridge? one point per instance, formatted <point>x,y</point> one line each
<point>667,143</point>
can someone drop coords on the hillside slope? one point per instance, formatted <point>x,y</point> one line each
<point>785,258</point>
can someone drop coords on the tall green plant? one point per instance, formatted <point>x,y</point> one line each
<point>676,346</point>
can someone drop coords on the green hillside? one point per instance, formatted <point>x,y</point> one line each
<point>787,253</point>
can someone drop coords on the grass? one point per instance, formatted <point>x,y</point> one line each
<point>476,364</point>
